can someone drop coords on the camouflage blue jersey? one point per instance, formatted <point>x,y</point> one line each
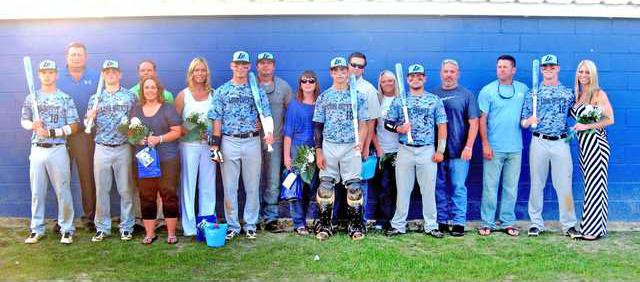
<point>554,103</point>
<point>56,110</point>
<point>425,111</point>
<point>234,106</point>
<point>333,108</point>
<point>112,108</point>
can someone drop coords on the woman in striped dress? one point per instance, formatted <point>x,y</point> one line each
<point>594,150</point>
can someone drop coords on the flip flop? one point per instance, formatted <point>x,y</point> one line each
<point>512,231</point>
<point>484,231</point>
<point>172,240</point>
<point>149,240</point>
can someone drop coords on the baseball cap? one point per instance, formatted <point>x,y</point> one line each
<point>110,64</point>
<point>240,56</point>
<point>338,62</point>
<point>47,65</point>
<point>549,60</point>
<point>415,68</point>
<point>265,56</point>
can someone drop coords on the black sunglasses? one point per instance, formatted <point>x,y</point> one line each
<point>356,66</point>
<point>307,81</point>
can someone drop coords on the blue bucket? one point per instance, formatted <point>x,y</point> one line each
<point>215,235</point>
<point>200,233</point>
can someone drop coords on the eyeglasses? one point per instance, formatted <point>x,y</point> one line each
<point>356,66</point>
<point>307,81</point>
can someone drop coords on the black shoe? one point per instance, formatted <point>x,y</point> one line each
<point>534,231</point>
<point>90,226</point>
<point>443,227</point>
<point>273,227</point>
<point>457,231</point>
<point>573,233</point>
<point>56,227</point>
<point>393,232</point>
<point>435,233</point>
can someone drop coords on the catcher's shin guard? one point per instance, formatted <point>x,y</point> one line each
<point>355,202</point>
<point>325,197</point>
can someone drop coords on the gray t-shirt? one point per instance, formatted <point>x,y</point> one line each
<point>460,106</point>
<point>388,140</point>
<point>279,94</point>
<point>371,96</point>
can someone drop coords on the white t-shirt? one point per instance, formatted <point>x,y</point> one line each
<point>388,140</point>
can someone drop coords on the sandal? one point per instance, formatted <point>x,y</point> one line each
<point>512,231</point>
<point>357,235</point>
<point>302,231</point>
<point>484,231</point>
<point>172,239</point>
<point>149,240</point>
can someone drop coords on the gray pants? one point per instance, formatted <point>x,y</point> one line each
<point>241,154</point>
<point>341,161</point>
<point>412,163</point>
<point>110,162</point>
<point>50,164</point>
<point>542,154</point>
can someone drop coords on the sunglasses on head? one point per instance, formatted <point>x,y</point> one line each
<point>307,81</point>
<point>356,66</point>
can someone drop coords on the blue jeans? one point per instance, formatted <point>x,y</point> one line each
<point>270,183</point>
<point>306,207</point>
<point>507,165</point>
<point>450,184</point>
<point>385,186</point>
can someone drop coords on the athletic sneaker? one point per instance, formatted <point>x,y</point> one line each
<point>573,233</point>
<point>66,238</point>
<point>251,234</point>
<point>393,232</point>
<point>435,233</point>
<point>99,236</point>
<point>126,235</point>
<point>230,235</point>
<point>33,238</point>
<point>534,231</point>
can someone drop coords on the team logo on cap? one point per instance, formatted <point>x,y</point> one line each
<point>416,68</point>
<point>110,64</point>
<point>241,56</point>
<point>47,65</point>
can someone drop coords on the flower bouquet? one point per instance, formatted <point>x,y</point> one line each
<point>591,114</point>
<point>133,129</point>
<point>199,122</point>
<point>304,164</point>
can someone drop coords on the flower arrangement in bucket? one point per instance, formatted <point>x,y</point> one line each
<point>134,129</point>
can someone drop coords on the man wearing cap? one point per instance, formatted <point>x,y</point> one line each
<point>500,103</point>
<point>56,118</point>
<point>357,63</point>
<point>548,147</point>
<point>112,155</point>
<point>278,92</point>
<point>462,129</point>
<point>337,154</point>
<point>80,83</point>
<point>235,133</point>
<point>146,69</point>
<point>417,160</point>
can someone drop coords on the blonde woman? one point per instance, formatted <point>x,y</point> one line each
<point>594,149</point>
<point>197,169</point>
<point>386,145</point>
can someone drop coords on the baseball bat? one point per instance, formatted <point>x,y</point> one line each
<point>89,124</point>
<point>267,122</point>
<point>28,70</point>
<point>403,97</point>
<point>353,92</point>
<point>534,91</point>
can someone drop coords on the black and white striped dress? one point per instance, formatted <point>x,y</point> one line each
<point>594,163</point>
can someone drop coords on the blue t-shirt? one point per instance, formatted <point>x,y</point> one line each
<point>554,103</point>
<point>298,123</point>
<point>425,112</point>
<point>80,90</point>
<point>160,123</point>
<point>503,106</point>
<point>460,106</point>
<point>55,109</point>
<point>333,108</point>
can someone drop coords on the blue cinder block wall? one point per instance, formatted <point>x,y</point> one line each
<point>309,42</point>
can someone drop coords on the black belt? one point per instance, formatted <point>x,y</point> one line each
<point>47,145</point>
<point>550,137</point>
<point>109,145</point>
<point>244,135</point>
<point>412,145</point>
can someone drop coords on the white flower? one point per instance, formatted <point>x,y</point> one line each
<point>202,120</point>
<point>135,121</point>
<point>310,157</point>
<point>124,120</point>
<point>588,108</point>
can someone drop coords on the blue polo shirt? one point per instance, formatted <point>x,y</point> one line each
<point>79,90</point>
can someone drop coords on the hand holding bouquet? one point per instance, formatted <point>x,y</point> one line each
<point>134,129</point>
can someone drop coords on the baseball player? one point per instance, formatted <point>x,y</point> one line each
<point>548,146</point>
<point>55,119</point>
<point>235,134</point>
<point>337,153</point>
<point>418,159</point>
<point>113,155</point>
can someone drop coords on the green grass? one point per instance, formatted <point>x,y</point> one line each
<point>286,256</point>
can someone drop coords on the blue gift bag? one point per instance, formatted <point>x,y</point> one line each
<point>291,189</point>
<point>369,167</point>
<point>148,163</point>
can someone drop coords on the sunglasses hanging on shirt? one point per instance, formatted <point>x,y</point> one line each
<point>507,95</point>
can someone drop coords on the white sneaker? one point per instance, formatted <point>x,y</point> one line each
<point>99,236</point>
<point>67,238</point>
<point>125,236</point>
<point>33,238</point>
